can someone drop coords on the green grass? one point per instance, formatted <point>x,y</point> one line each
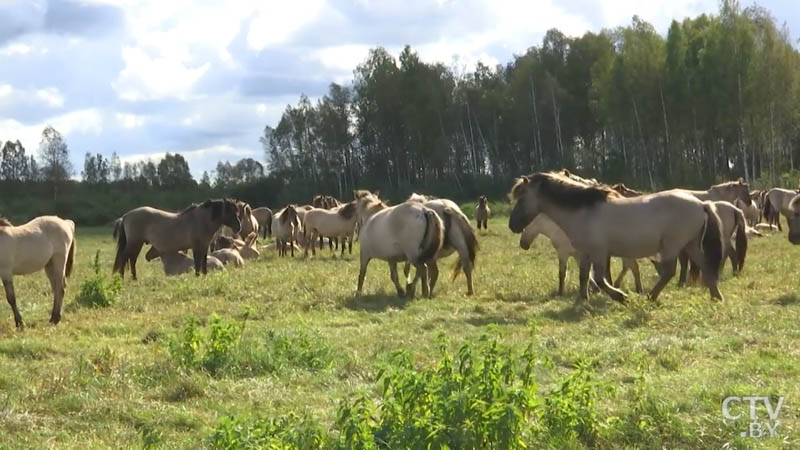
<point>106,377</point>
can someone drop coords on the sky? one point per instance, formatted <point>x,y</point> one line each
<point>203,78</point>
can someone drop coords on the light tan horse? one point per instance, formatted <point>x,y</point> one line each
<point>776,202</point>
<point>734,231</point>
<point>723,192</point>
<point>564,249</point>
<point>193,228</point>
<point>459,237</point>
<point>178,263</point>
<point>229,256</point>
<point>793,217</point>
<point>263,216</point>
<point>601,223</point>
<point>46,242</point>
<point>249,222</point>
<point>482,212</point>
<point>285,227</point>
<point>338,222</point>
<point>405,232</point>
<point>750,211</point>
<point>625,191</point>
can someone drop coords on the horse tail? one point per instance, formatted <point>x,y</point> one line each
<point>469,239</point>
<point>741,238</point>
<point>70,257</point>
<point>767,212</point>
<point>711,241</point>
<point>122,243</point>
<point>432,238</point>
<point>117,225</point>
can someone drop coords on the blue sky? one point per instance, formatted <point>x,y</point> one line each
<point>203,78</point>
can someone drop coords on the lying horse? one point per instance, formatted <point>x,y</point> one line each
<point>405,232</point>
<point>45,242</point>
<point>601,223</point>
<point>563,247</point>
<point>178,263</point>
<point>482,212</point>
<point>167,232</point>
<point>229,256</point>
<point>459,237</point>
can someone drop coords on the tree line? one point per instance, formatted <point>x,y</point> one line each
<point>714,99</point>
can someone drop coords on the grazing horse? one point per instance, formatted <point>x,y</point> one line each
<point>726,192</point>
<point>734,229</point>
<point>563,247</point>
<point>776,202</point>
<point>263,216</point>
<point>482,212</point>
<point>178,263</point>
<point>339,222</point>
<point>793,217</point>
<point>286,226</point>
<point>46,242</point>
<point>601,223</point>
<point>167,232</point>
<point>406,232</point>
<point>458,237</point>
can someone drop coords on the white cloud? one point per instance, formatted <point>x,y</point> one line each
<point>6,90</point>
<point>15,49</point>
<point>84,121</point>
<point>277,22</point>
<point>51,97</point>
<point>130,121</point>
<point>201,159</point>
<point>152,78</point>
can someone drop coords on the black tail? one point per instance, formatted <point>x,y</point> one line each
<point>741,239</point>
<point>767,210</point>
<point>122,243</point>
<point>432,238</point>
<point>712,242</point>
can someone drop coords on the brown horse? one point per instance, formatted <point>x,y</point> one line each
<point>601,223</point>
<point>482,212</point>
<point>263,216</point>
<point>793,217</point>
<point>193,228</point>
<point>45,242</point>
<point>776,202</point>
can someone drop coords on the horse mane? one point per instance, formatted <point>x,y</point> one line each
<point>794,204</point>
<point>5,222</point>
<point>564,190</point>
<point>188,209</point>
<point>285,213</point>
<point>728,184</point>
<point>420,198</point>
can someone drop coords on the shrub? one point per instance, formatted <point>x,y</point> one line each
<point>97,290</point>
<point>288,431</point>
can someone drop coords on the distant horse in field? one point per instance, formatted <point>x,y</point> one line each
<point>229,256</point>
<point>459,237</point>
<point>286,226</point>
<point>601,223</point>
<point>406,232</point>
<point>776,202</point>
<point>338,222</point>
<point>793,217</point>
<point>193,228</point>
<point>482,212</point>
<point>46,242</point>
<point>563,247</point>
<point>263,216</point>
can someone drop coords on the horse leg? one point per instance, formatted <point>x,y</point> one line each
<point>433,275</point>
<point>196,254</point>
<point>666,272</point>
<point>291,245</point>
<point>344,244</point>
<point>562,273</point>
<point>583,277</point>
<point>11,297</point>
<point>135,249</point>
<point>621,276</point>
<point>361,274</point>
<point>56,278</point>
<point>395,280</point>
<point>732,256</point>
<point>710,277</point>
<point>600,274</point>
<point>350,244</point>
<point>684,260</point>
<point>694,272</point>
<point>637,279</point>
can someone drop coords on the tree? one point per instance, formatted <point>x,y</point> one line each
<point>115,167</point>
<point>14,164</point>
<point>173,172</point>
<point>54,154</point>
<point>205,180</point>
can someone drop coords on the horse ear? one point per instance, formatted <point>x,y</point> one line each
<point>741,180</point>
<point>566,173</point>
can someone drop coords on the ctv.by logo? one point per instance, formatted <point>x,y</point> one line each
<point>756,428</point>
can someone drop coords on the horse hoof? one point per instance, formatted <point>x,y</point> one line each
<point>55,320</point>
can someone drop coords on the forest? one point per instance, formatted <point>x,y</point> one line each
<point>717,98</point>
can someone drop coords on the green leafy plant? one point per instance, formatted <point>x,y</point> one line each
<point>97,290</point>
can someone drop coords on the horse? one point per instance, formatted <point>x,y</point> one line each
<point>776,202</point>
<point>263,216</point>
<point>793,218</point>
<point>458,237</point>
<point>45,242</point>
<point>482,212</point>
<point>733,223</point>
<point>339,222</point>
<point>286,226</point>
<point>194,227</point>
<point>600,223</point>
<point>249,222</point>
<point>728,192</point>
<point>750,210</point>
<point>625,191</point>
<point>178,263</point>
<point>229,256</point>
<point>406,232</point>
<point>542,224</point>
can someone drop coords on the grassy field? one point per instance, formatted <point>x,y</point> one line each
<point>106,378</point>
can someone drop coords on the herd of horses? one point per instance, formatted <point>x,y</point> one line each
<point>583,218</point>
